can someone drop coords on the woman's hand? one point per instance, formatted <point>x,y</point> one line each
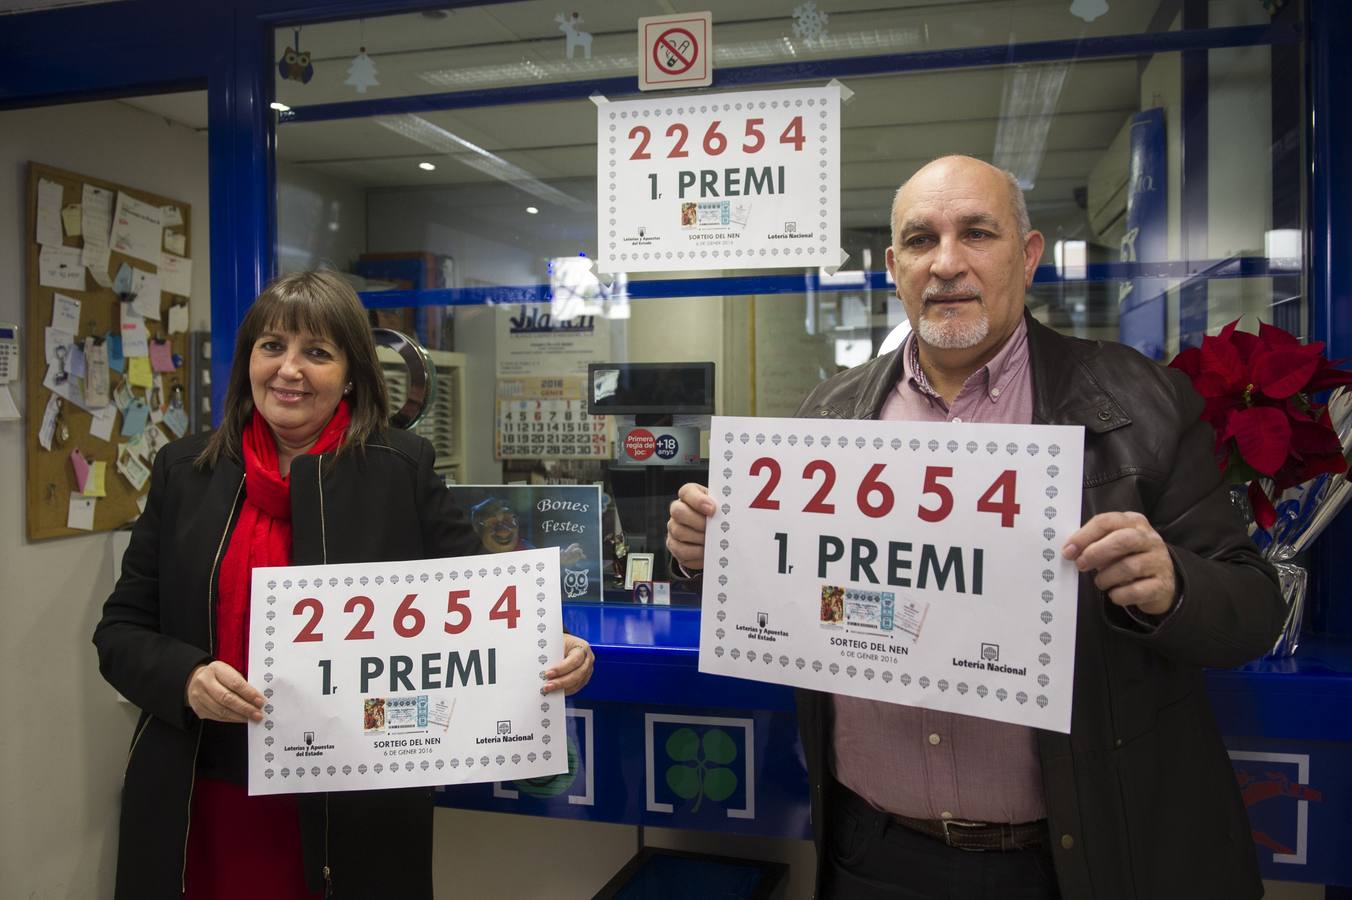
<point>216,691</point>
<point>576,669</point>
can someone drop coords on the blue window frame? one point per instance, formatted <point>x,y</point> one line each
<point>144,46</point>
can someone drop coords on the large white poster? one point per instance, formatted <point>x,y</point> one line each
<point>382,675</point>
<point>914,563</point>
<point>747,180</point>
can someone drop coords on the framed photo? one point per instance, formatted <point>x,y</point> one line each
<point>639,567</point>
<point>643,593</point>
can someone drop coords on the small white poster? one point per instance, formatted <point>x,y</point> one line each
<point>398,674</point>
<point>532,341</point>
<point>913,563</point>
<point>746,180</point>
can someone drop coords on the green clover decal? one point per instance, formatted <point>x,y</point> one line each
<point>552,785</point>
<point>693,777</point>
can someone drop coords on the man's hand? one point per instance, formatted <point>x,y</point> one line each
<point>685,528</point>
<point>216,691</point>
<point>573,673</point>
<point>1133,564</point>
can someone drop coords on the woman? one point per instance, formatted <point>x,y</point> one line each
<point>302,471</point>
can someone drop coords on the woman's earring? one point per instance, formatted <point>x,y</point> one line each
<point>347,389</point>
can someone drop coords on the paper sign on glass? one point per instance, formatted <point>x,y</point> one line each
<point>746,180</point>
<point>908,562</point>
<point>396,674</point>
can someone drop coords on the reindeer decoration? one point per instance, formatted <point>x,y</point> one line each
<point>576,38</point>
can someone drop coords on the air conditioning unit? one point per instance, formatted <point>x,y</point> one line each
<point>1108,190</point>
<point>444,423</point>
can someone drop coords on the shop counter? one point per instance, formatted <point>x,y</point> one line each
<point>655,742</point>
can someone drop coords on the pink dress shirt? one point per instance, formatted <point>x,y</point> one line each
<point>925,764</point>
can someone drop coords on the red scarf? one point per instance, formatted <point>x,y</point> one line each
<point>262,536</point>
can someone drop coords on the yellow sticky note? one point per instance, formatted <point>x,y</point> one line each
<point>70,217</point>
<point>95,486</point>
<point>138,372</point>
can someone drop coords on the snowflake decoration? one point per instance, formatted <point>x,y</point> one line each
<point>809,23</point>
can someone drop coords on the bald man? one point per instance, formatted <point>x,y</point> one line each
<point>1139,800</point>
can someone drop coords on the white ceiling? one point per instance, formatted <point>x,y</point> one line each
<point>892,126</point>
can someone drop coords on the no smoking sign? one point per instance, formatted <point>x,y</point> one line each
<point>675,51</point>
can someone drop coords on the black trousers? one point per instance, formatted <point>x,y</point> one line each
<point>871,857</point>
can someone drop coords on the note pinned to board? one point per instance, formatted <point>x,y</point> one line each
<point>145,286</point>
<point>122,281</point>
<point>60,268</point>
<point>49,416</point>
<point>136,229</point>
<point>102,425</point>
<point>71,218</point>
<point>178,318</point>
<point>81,467</point>
<point>116,361</point>
<point>138,372</point>
<point>97,484</point>
<point>162,356</point>
<point>80,516</point>
<point>177,420</point>
<point>134,418</point>
<point>171,216</point>
<point>135,339</point>
<point>175,275</point>
<point>65,313</point>
<point>96,214</point>
<point>132,468</point>
<point>49,213</point>
<point>175,242</point>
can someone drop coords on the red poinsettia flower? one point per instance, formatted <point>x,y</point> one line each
<point>1257,389</point>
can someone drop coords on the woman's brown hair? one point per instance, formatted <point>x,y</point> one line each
<point>325,305</point>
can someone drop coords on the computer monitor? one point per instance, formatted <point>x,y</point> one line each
<point>650,389</point>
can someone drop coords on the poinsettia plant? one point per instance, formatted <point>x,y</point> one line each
<point>1257,389</point>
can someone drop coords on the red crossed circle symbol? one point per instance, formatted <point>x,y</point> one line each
<point>675,51</point>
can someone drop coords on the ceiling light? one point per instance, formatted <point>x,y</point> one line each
<point>426,166</point>
<point>279,106</point>
<point>532,210</point>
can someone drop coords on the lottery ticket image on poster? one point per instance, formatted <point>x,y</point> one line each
<point>833,604</point>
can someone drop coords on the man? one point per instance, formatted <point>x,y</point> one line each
<point>1139,800</point>
<point>496,524</point>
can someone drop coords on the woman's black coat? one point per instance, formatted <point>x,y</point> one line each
<point>379,503</point>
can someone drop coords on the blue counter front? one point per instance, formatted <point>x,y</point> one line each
<point>655,742</point>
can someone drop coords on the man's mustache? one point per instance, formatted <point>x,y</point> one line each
<point>950,290</point>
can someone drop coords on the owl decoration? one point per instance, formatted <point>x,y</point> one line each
<point>295,65</point>
<point>575,582</point>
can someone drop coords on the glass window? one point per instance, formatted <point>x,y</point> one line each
<point>446,160</point>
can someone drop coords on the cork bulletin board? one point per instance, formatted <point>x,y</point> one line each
<point>101,405</point>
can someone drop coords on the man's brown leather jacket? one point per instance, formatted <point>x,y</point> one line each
<point>1141,798</point>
